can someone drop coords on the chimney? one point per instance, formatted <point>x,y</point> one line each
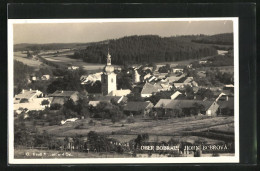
<point>226,98</point>
<point>22,91</point>
<point>30,89</point>
<point>62,91</point>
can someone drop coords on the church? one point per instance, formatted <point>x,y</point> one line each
<point>108,78</point>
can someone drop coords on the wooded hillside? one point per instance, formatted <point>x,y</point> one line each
<point>221,39</point>
<point>146,49</point>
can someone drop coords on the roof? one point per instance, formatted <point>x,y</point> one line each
<point>162,102</point>
<point>136,106</point>
<point>150,88</point>
<point>59,93</point>
<point>120,92</point>
<point>174,104</point>
<point>109,98</point>
<point>59,100</point>
<point>188,80</point>
<point>182,84</point>
<point>93,103</point>
<point>176,94</point>
<point>226,104</point>
<point>27,94</point>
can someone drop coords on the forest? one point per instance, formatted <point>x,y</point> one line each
<point>146,49</point>
<point>221,39</point>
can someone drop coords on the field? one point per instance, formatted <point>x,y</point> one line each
<point>65,60</point>
<point>162,130</point>
<point>19,56</point>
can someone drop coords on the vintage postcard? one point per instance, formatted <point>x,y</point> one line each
<point>95,91</point>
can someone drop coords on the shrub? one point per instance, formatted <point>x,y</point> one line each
<point>45,102</point>
<point>130,119</point>
<point>55,106</point>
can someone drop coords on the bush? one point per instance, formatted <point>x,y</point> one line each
<point>55,106</point>
<point>45,102</point>
<point>130,119</point>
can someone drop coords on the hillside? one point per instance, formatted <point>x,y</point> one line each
<point>220,39</point>
<point>146,49</point>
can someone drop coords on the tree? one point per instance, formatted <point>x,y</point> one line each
<point>45,102</point>
<point>204,93</point>
<point>189,92</point>
<point>198,107</point>
<point>134,97</point>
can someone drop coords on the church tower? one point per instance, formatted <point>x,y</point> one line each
<point>136,76</point>
<point>108,78</point>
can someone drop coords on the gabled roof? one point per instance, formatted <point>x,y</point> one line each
<point>174,104</point>
<point>136,106</point>
<point>60,93</point>
<point>162,103</point>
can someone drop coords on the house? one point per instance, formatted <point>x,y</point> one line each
<point>107,99</point>
<point>174,78</point>
<point>188,80</point>
<point>192,107</point>
<point>138,108</point>
<point>159,107</point>
<point>226,105</point>
<point>147,76</point>
<point>160,75</point>
<point>60,97</point>
<point>122,92</point>
<point>45,77</point>
<point>30,100</point>
<point>91,78</point>
<point>73,67</point>
<point>222,52</point>
<point>148,90</point>
<point>27,95</point>
<point>203,62</point>
<point>175,95</point>
<point>182,85</point>
<point>189,66</point>
<point>177,70</point>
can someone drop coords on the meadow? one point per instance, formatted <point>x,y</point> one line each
<point>162,130</point>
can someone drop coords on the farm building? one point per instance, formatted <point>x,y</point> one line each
<point>60,97</point>
<point>192,107</point>
<point>138,108</point>
<point>226,106</point>
<point>160,107</point>
<point>30,100</point>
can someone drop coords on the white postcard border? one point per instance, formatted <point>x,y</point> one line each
<point>221,159</point>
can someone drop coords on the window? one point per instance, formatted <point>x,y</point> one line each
<point>111,80</point>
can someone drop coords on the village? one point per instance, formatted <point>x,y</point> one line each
<point>156,93</point>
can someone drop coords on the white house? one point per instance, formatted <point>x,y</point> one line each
<point>30,100</point>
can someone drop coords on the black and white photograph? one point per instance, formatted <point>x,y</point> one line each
<point>154,90</point>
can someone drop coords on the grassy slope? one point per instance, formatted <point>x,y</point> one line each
<point>174,126</point>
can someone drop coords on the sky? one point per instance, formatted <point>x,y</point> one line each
<point>92,32</point>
